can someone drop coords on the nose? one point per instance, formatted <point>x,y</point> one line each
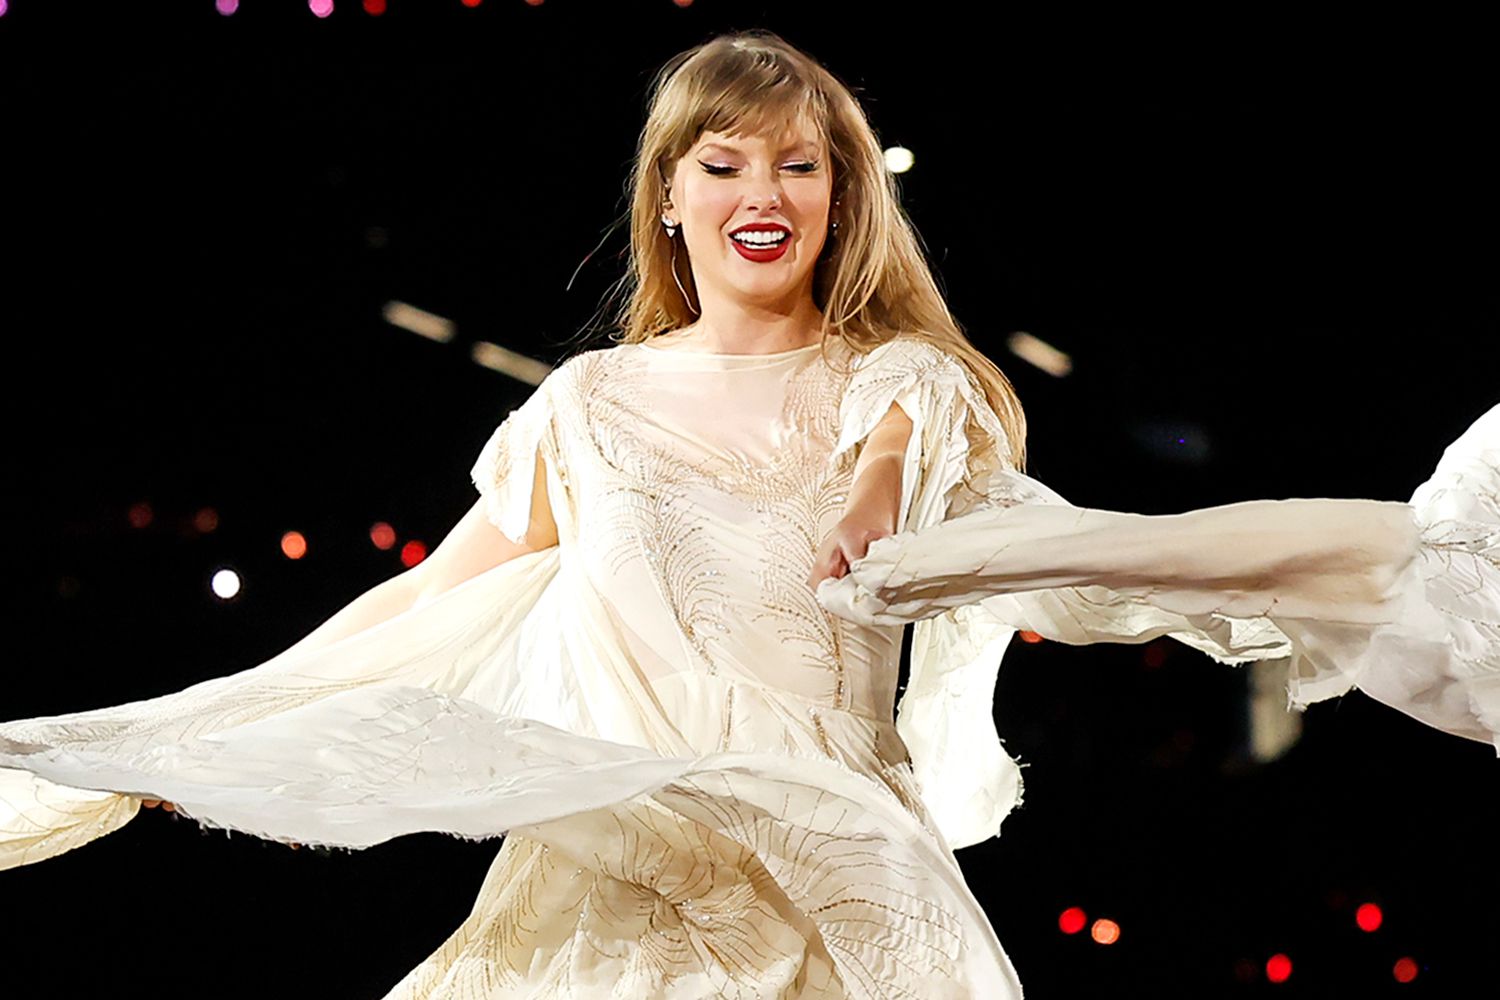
<point>764,195</point>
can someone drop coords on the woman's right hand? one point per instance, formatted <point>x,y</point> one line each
<point>169,807</point>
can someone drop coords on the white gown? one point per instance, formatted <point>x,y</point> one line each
<point>692,757</point>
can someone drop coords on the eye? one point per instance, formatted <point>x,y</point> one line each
<point>718,170</point>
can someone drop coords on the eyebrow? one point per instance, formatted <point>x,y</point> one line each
<point>811,144</point>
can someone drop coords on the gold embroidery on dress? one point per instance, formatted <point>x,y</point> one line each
<point>648,512</point>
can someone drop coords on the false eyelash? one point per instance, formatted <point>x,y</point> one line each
<point>718,171</point>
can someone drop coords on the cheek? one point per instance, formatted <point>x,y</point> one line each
<point>711,206</point>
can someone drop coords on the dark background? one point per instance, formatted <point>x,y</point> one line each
<point>1270,237</point>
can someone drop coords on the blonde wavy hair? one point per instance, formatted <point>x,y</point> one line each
<point>871,282</point>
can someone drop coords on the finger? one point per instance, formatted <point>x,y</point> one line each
<point>150,803</point>
<point>169,807</point>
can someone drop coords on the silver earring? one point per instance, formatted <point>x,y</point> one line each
<point>670,226</point>
<point>679,281</point>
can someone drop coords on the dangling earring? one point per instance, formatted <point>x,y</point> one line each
<point>679,281</point>
<point>835,226</point>
<point>670,226</point>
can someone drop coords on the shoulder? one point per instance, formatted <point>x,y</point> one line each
<point>904,359</point>
<point>578,370</point>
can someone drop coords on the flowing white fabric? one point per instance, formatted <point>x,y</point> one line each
<point>1401,600</point>
<point>696,764</point>
<point>693,758</point>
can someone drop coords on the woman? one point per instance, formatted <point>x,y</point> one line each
<point>624,657</point>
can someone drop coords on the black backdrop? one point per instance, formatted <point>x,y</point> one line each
<point>1272,237</point>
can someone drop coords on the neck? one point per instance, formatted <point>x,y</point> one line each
<point>747,328</point>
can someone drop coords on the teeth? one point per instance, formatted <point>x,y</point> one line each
<point>759,239</point>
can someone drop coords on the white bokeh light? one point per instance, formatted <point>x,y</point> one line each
<point>899,159</point>
<point>225,584</point>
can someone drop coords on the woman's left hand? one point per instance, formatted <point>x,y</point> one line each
<point>847,542</point>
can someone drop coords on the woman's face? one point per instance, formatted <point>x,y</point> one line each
<point>723,184</point>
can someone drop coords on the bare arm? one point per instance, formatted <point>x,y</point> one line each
<point>874,499</point>
<point>472,546</point>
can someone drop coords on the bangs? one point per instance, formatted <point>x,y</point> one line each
<point>753,96</point>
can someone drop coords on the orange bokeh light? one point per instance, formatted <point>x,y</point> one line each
<point>1105,931</point>
<point>382,535</point>
<point>293,545</point>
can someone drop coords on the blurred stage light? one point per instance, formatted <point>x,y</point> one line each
<point>382,536</point>
<point>412,553</point>
<point>1405,970</point>
<point>322,8</point>
<point>1278,968</point>
<point>225,584</point>
<point>293,545</point>
<point>1369,917</point>
<point>1105,931</point>
<point>374,7</point>
<point>899,159</point>
<point>1029,636</point>
<point>517,366</point>
<point>1072,920</point>
<point>1038,352</point>
<point>226,7</point>
<point>418,321</point>
<point>140,514</point>
<point>206,520</point>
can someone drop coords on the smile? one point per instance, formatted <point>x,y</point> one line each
<point>763,250</point>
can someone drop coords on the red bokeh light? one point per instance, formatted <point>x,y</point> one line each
<point>1072,920</point>
<point>293,545</point>
<point>382,536</point>
<point>1405,970</point>
<point>412,553</point>
<point>140,514</point>
<point>1369,917</point>
<point>375,7</point>
<point>1278,968</point>
<point>206,520</point>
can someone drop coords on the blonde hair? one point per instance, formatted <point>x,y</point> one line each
<point>871,283</point>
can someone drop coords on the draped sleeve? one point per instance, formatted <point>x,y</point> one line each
<point>1401,600</point>
<point>504,471</point>
<point>946,713</point>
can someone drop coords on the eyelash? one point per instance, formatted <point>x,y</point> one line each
<point>717,170</point>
